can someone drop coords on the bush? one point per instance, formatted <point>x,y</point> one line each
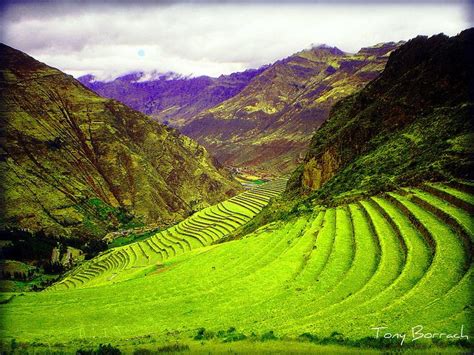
<point>102,350</point>
<point>235,337</point>
<point>378,343</point>
<point>203,334</point>
<point>93,247</point>
<point>173,348</point>
<point>338,338</point>
<point>309,337</point>
<point>268,336</point>
<point>108,350</point>
<point>53,268</point>
<point>231,335</point>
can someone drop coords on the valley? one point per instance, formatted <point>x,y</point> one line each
<point>75,166</point>
<point>319,204</point>
<point>264,118</point>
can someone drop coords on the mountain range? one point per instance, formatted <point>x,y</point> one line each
<point>170,98</point>
<point>260,119</point>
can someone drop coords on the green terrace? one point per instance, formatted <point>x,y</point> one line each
<point>201,229</point>
<point>395,260</point>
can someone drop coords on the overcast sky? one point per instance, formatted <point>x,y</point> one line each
<point>194,38</point>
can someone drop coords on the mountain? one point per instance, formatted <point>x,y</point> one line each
<point>74,164</point>
<point>268,125</point>
<point>262,119</point>
<point>413,123</point>
<point>170,98</point>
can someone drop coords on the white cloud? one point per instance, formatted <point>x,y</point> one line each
<point>212,39</point>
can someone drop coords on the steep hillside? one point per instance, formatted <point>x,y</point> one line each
<point>269,123</point>
<point>208,226</point>
<point>169,98</point>
<point>74,164</point>
<point>413,123</point>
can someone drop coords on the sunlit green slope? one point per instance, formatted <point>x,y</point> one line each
<point>201,229</point>
<point>398,260</point>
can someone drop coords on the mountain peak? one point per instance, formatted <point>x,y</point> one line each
<point>380,49</point>
<point>327,48</point>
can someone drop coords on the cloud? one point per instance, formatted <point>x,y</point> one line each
<point>195,38</point>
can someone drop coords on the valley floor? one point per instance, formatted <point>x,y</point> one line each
<point>400,262</point>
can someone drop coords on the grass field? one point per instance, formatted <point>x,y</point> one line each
<point>319,282</point>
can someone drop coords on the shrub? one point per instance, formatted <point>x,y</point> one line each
<point>268,336</point>
<point>101,350</point>
<point>378,343</point>
<point>235,337</point>
<point>338,338</point>
<point>231,335</point>
<point>309,337</point>
<point>203,334</point>
<point>173,348</point>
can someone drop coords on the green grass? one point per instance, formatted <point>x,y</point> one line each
<point>464,196</point>
<point>462,217</point>
<point>318,282</point>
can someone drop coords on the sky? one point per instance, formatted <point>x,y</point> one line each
<point>210,37</point>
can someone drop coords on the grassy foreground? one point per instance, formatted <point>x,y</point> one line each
<point>319,282</point>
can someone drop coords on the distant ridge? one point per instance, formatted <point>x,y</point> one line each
<point>268,125</point>
<point>170,98</point>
